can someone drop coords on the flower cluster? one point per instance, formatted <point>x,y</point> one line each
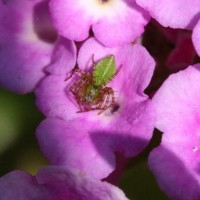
<point>93,67</point>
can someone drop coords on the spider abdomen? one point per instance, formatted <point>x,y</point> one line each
<point>91,94</point>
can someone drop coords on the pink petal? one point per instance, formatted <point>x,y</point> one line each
<point>63,57</point>
<point>124,28</point>
<point>53,100</point>
<point>56,183</point>
<point>122,21</point>
<point>70,19</point>
<point>175,14</point>
<point>26,44</point>
<point>68,183</point>
<point>71,144</point>
<point>19,185</point>
<point>101,133</point>
<point>176,162</point>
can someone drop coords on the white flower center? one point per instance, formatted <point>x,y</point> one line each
<point>98,9</point>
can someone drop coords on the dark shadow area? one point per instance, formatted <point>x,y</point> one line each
<point>158,40</point>
<point>124,165</point>
<point>159,48</point>
<point>116,143</point>
<point>154,142</point>
<point>163,163</point>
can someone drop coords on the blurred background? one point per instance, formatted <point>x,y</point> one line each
<point>19,118</point>
<point>18,121</point>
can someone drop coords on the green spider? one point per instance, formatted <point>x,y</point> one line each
<point>90,90</point>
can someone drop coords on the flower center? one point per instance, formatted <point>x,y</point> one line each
<point>103,1</point>
<point>98,9</point>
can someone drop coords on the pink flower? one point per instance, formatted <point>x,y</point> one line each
<point>113,22</point>
<point>175,14</point>
<point>183,14</point>
<point>175,163</point>
<point>88,141</point>
<point>56,183</point>
<point>27,42</point>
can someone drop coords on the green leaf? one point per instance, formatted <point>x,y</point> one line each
<point>104,71</point>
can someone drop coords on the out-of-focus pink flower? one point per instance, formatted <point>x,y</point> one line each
<point>89,141</point>
<point>27,42</point>
<point>113,22</point>
<point>56,183</point>
<point>176,14</point>
<point>176,162</point>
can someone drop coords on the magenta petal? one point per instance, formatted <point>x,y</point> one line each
<point>60,102</point>
<point>19,185</point>
<point>126,129</point>
<point>84,143</point>
<point>56,183</point>
<point>63,57</point>
<point>71,184</point>
<point>70,143</point>
<point>137,123</point>
<point>26,44</point>
<point>176,162</point>
<point>136,71</point>
<point>125,28</point>
<point>196,37</point>
<point>173,175</point>
<point>52,98</point>
<point>176,14</point>
<point>91,47</point>
<point>70,19</point>
<point>168,103</point>
<point>113,23</point>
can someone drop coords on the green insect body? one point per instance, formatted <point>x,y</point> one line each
<point>104,71</point>
<point>91,93</point>
<point>90,89</point>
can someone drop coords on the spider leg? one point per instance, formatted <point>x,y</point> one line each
<point>108,94</point>
<point>75,70</point>
<point>106,100</point>
<point>80,82</point>
<point>93,62</point>
<point>78,89</point>
<point>81,110</point>
<point>97,107</point>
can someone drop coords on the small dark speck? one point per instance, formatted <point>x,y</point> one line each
<point>115,107</point>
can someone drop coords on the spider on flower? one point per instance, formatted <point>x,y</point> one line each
<point>90,90</point>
